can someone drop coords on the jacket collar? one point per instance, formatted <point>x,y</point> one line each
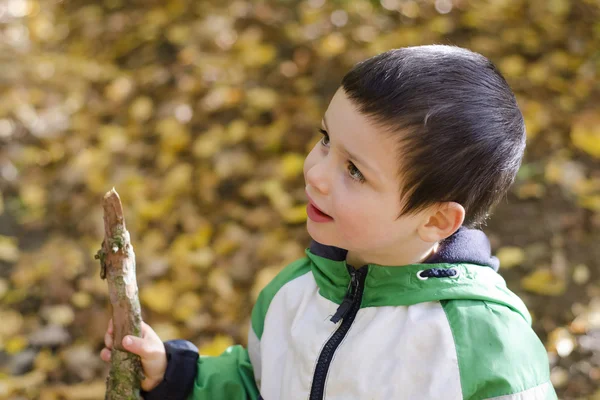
<point>470,246</point>
<point>467,251</point>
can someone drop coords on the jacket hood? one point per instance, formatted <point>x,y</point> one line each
<point>467,251</point>
<point>464,246</point>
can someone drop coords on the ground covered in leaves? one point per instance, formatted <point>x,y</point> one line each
<point>200,113</point>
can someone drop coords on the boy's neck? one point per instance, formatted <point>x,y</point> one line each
<point>356,260</point>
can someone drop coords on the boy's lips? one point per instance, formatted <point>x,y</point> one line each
<point>315,213</point>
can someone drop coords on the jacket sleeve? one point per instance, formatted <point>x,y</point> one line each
<point>229,376</point>
<point>226,377</point>
<point>182,367</point>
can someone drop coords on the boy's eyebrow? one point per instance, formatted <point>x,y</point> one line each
<point>350,155</point>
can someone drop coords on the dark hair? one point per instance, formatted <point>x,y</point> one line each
<point>459,128</point>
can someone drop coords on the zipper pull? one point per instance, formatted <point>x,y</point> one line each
<point>348,300</point>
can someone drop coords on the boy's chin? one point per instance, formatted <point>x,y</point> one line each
<point>319,236</point>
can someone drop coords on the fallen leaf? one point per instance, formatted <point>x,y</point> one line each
<point>510,256</point>
<point>543,282</point>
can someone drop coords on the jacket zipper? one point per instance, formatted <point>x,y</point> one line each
<point>346,311</point>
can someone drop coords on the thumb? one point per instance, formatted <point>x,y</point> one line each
<point>134,345</point>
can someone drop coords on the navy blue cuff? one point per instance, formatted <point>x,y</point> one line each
<point>182,367</point>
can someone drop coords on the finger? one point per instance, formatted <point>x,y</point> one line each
<point>146,330</point>
<point>139,346</point>
<point>105,354</point>
<point>110,326</point>
<point>149,333</point>
<point>108,340</point>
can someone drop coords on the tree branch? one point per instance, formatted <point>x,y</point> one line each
<point>117,261</point>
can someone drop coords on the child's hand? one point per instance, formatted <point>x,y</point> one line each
<point>149,347</point>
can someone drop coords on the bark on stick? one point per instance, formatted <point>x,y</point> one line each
<point>117,261</point>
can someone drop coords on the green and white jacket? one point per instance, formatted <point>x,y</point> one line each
<point>447,329</point>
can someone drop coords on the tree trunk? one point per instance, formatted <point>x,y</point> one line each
<point>117,261</point>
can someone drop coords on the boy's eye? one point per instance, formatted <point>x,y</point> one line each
<point>352,170</point>
<point>355,172</point>
<point>325,139</point>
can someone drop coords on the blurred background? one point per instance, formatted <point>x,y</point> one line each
<point>200,113</point>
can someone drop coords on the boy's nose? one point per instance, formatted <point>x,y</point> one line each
<point>317,177</point>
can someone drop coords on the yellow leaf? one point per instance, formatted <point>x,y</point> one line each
<point>208,142</point>
<point>141,109</point>
<point>510,256</point>
<point>221,283</point>
<point>536,117</point>
<point>218,345</point>
<point>543,282</point>
<point>332,45</point>
<point>59,314</point>
<point>113,138</point>
<point>12,322</point>
<point>258,55</point>
<point>33,196</point>
<point>591,202</point>
<point>441,24</point>
<point>553,171</point>
<point>263,277</point>
<point>81,299</point>
<point>178,179</point>
<point>119,89</point>
<point>202,258</point>
<point>174,135</point>
<point>15,345</point>
<point>262,98</point>
<point>166,331</point>
<point>155,209</point>
<point>569,174</point>
<point>585,133</point>
<point>237,131</point>
<point>234,162</point>
<point>230,238</point>
<point>159,297</point>
<point>295,214</point>
<point>46,361</point>
<point>292,164</point>
<point>559,7</point>
<point>9,250</point>
<point>221,97</point>
<point>538,72</point>
<point>187,305</point>
<point>202,236</point>
<point>28,272</point>
<point>179,34</point>
<point>277,195</point>
<point>513,66</point>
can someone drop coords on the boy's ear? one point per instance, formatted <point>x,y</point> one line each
<point>443,221</point>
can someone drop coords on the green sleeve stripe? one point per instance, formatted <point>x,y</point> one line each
<point>227,377</point>
<point>498,352</point>
<point>289,273</point>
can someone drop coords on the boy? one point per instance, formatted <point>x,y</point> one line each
<point>398,296</point>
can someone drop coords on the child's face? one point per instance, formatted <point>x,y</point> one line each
<point>360,193</point>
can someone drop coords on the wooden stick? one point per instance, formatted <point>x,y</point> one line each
<point>117,261</point>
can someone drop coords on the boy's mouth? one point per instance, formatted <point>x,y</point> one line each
<point>314,213</point>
